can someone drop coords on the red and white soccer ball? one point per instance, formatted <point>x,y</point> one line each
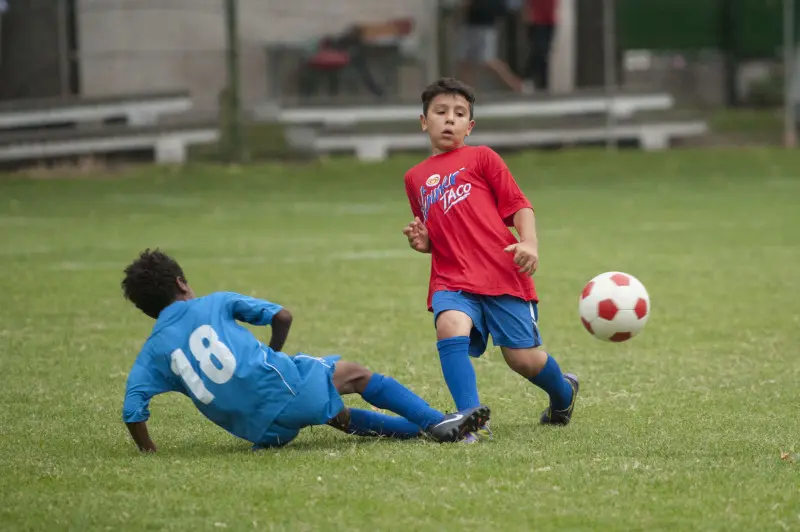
<point>614,306</point>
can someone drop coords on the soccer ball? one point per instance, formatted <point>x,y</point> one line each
<point>614,306</point>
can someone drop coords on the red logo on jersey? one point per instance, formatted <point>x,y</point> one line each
<point>433,180</point>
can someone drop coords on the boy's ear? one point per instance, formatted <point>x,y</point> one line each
<point>182,284</point>
<point>423,122</point>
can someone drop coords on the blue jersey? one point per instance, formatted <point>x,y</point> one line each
<point>199,349</point>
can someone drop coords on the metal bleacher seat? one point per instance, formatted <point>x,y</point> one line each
<point>649,134</point>
<point>168,143</point>
<point>135,109</point>
<point>43,129</point>
<point>622,105</point>
<point>372,132</point>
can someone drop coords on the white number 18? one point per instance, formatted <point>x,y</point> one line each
<point>203,343</point>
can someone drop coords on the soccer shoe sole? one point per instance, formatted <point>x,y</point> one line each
<point>478,436</point>
<point>471,422</point>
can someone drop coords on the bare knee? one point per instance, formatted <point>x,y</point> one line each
<point>527,362</point>
<point>452,323</point>
<point>351,377</point>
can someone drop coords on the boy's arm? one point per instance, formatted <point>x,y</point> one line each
<point>525,224</point>
<point>515,209</point>
<point>142,386</point>
<point>261,312</point>
<point>526,251</point>
<point>138,430</point>
<point>281,323</point>
<point>251,310</point>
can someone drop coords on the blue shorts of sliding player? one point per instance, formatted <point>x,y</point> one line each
<point>316,403</point>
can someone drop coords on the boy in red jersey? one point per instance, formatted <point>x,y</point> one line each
<point>464,199</point>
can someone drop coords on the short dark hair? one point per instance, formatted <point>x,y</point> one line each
<point>150,282</point>
<point>447,86</point>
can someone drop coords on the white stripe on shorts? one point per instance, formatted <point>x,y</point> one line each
<point>314,358</point>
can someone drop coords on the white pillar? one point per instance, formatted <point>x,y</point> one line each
<point>562,59</point>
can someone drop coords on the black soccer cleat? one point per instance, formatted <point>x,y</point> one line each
<point>551,416</point>
<point>455,426</point>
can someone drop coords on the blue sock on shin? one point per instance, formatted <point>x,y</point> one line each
<point>458,371</point>
<point>368,423</point>
<point>385,392</point>
<point>551,380</point>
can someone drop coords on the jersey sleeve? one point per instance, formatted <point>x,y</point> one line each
<point>413,198</point>
<point>143,384</point>
<point>251,310</point>
<point>508,196</point>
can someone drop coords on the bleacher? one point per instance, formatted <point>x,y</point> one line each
<point>41,130</point>
<point>36,130</point>
<point>646,120</point>
<point>623,105</point>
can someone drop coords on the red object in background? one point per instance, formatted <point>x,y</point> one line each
<point>329,59</point>
<point>543,12</point>
<point>404,26</point>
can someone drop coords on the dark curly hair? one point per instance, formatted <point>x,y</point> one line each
<point>150,282</point>
<point>447,86</point>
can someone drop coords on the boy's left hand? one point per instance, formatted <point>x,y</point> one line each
<point>526,256</point>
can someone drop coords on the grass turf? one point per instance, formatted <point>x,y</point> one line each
<point>681,428</point>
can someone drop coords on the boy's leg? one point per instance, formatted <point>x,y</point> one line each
<point>318,402</point>
<point>367,423</point>
<point>460,333</point>
<point>385,392</point>
<point>513,324</point>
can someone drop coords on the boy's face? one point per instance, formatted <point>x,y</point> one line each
<point>447,122</point>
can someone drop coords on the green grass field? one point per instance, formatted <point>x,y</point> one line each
<point>680,429</point>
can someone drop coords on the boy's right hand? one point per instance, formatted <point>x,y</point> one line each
<point>417,235</point>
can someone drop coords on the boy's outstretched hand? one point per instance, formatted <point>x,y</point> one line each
<point>526,256</point>
<point>417,235</point>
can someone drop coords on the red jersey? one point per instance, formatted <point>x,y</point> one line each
<point>542,12</point>
<point>467,198</point>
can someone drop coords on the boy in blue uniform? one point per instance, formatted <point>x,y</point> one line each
<point>252,390</point>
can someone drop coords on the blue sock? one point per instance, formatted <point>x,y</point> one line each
<point>552,381</point>
<point>458,371</point>
<point>387,393</point>
<point>368,423</point>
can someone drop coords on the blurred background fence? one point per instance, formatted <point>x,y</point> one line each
<point>239,64</point>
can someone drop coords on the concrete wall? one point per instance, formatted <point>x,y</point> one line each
<point>133,45</point>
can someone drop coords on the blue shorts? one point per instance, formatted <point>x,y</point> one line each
<point>317,401</point>
<point>512,322</point>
